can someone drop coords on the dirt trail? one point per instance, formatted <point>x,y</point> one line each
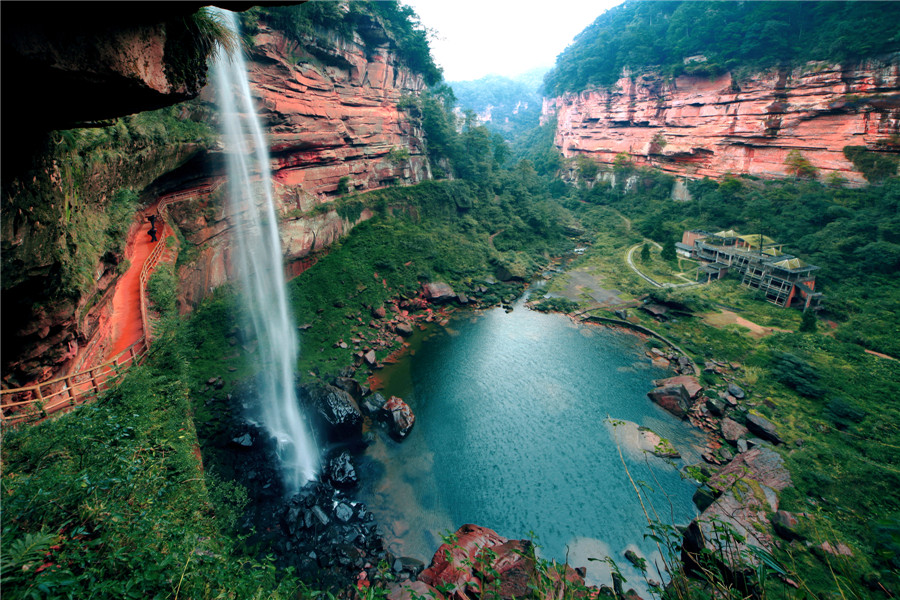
<point>727,317</point>
<point>126,327</point>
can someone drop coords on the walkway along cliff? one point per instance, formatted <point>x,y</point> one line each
<point>333,111</point>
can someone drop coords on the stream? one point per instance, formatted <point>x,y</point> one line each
<point>512,434</point>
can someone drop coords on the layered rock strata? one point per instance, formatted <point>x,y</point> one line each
<point>336,110</point>
<point>698,126</point>
<point>333,112</point>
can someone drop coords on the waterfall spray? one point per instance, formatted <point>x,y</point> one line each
<point>259,265</point>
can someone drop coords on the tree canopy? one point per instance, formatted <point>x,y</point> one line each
<point>722,36</point>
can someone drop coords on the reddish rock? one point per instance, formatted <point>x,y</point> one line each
<point>379,313</point>
<point>732,430</point>
<point>690,383</point>
<point>673,398</point>
<point>839,549</point>
<point>458,567</point>
<point>399,417</point>
<point>727,125</point>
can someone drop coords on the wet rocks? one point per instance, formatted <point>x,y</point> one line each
<point>339,410</point>
<point>674,398</point>
<point>398,416</point>
<point>340,472</point>
<point>372,404</point>
<point>327,535</point>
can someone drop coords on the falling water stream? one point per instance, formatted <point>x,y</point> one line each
<point>259,265</point>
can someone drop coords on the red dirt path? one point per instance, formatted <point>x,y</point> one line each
<point>126,327</point>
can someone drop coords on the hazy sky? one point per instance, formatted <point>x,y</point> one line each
<point>503,37</point>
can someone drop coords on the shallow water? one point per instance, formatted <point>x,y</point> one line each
<point>512,433</point>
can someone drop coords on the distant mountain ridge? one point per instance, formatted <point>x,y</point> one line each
<point>509,105</point>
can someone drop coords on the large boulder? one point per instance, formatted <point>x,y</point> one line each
<point>747,491</point>
<point>477,554</point>
<point>438,292</point>
<point>339,411</point>
<point>763,427</point>
<point>674,398</point>
<point>691,384</point>
<point>732,431</point>
<point>398,416</point>
<point>403,328</point>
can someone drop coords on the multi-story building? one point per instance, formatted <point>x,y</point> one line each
<point>760,261</point>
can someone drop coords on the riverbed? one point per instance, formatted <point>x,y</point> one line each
<point>516,430</point>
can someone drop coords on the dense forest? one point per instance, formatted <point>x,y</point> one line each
<point>708,38</point>
<point>111,500</point>
<point>510,106</point>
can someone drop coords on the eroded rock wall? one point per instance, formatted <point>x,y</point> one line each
<point>697,126</point>
<point>336,109</point>
<point>334,114</point>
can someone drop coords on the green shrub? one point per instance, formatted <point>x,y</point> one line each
<point>797,374</point>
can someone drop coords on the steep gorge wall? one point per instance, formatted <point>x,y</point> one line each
<point>333,111</point>
<point>697,126</point>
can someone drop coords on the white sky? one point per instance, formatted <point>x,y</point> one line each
<point>502,37</point>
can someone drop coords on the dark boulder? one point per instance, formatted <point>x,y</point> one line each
<point>704,497</point>
<point>351,386</point>
<point>373,403</point>
<point>340,472</point>
<point>786,525</point>
<point>736,391</point>
<point>763,427</point>
<point>715,406</point>
<point>340,412</point>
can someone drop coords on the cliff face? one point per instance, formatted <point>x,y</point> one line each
<point>697,127</point>
<point>334,111</point>
<point>334,115</point>
<point>331,109</point>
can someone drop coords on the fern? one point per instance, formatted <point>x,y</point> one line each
<point>18,555</point>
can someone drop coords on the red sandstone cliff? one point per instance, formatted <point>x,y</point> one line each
<point>696,126</point>
<point>331,110</point>
<point>340,117</point>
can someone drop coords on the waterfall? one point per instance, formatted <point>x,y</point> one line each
<point>258,262</point>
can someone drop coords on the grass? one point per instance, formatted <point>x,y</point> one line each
<point>111,500</point>
<point>841,445</point>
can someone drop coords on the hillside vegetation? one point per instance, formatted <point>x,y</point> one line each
<point>744,36</point>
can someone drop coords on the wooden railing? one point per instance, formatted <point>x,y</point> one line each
<point>35,402</point>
